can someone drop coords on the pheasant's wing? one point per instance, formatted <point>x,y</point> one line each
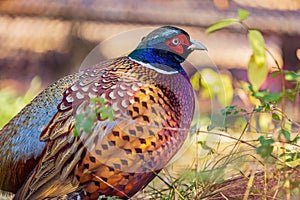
<point>63,150</point>
<point>19,139</point>
<point>20,142</point>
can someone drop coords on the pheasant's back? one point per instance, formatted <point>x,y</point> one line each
<point>20,142</point>
<point>19,139</point>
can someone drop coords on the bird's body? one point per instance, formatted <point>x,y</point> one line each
<point>152,102</point>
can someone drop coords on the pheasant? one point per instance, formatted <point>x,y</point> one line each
<point>152,103</point>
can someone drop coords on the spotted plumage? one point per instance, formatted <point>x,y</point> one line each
<point>152,102</point>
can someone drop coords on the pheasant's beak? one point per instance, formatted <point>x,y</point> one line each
<point>196,46</point>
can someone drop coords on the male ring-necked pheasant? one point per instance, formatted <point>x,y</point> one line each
<point>152,102</point>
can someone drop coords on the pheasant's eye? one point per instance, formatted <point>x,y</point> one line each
<point>176,41</point>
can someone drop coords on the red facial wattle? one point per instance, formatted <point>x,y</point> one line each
<point>179,49</point>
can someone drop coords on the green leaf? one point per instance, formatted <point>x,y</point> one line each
<point>85,121</point>
<point>289,76</point>
<point>231,108</point>
<point>87,126</point>
<point>266,148</point>
<point>111,115</point>
<point>93,101</point>
<point>267,107</point>
<point>210,127</point>
<point>275,74</point>
<point>205,146</point>
<point>220,25</point>
<point>295,140</point>
<point>102,197</point>
<point>102,100</point>
<point>258,47</point>
<point>76,132</point>
<point>286,134</point>
<point>273,97</point>
<point>275,116</point>
<point>228,110</point>
<point>243,14</point>
<point>195,81</point>
<point>264,141</point>
<point>258,109</point>
<point>106,113</point>
<point>225,83</point>
<point>256,73</point>
<point>292,76</point>
<point>264,151</point>
<point>259,94</point>
<point>267,97</point>
<point>78,120</point>
<point>290,96</point>
<point>294,163</point>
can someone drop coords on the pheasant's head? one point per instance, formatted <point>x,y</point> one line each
<point>168,46</point>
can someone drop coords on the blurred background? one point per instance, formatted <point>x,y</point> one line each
<point>42,41</point>
<point>50,39</point>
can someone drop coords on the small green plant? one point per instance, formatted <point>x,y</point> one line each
<point>97,109</point>
<point>266,147</point>
<point>103,197</point>
<point>273,104</point>
<point>229,110</point>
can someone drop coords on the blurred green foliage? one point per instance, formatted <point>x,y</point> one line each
<point>242,15</point>
<point>11,102</point>
<point>257,66</point>
<point>213,84</point>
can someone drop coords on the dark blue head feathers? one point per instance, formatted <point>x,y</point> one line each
<point>165,48</point>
